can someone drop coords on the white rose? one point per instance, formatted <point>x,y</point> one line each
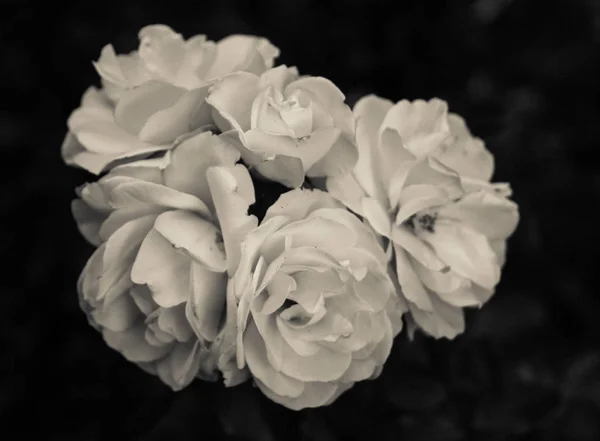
<point>163,254</point>
<point>287,127</point>
<point>421,182</point>
<point>312,309</point>
<point>154,95</point>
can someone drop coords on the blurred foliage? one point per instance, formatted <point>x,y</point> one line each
<point>525,75</point>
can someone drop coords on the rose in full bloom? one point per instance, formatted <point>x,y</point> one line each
<point>422,183</point>
<point>156,285</point>
<point>154,95</point>
<point>287,127</point>
<point>312,308</point>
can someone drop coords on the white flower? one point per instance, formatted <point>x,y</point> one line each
<point>163,254</point>
<point>154,95</point>
<point>286,126</point>
<point>422,183</point>
<point>312,308</point>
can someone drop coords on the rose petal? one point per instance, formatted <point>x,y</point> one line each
<point>329,96</point>
<point>108,66</point>
<point>369,113</point>
<point>278,77</point>
<point>119,254</point>
<point>315,232</point>
<point>466,154</point>
<point>121,216</point>
<point>297,204</point>
<point>242,53</point>
<point>119,315</point>
<point>232,98</point>
<point>417,248</point>
<point>338,160</point>
<point>311,287</point>
<point>142,297</point>
<point>206,302</point>
<point>256,357</point>
<point>277,291</point>
<point>315,394</point>
<point>190,161</point>
<point>347,190</point>
<point>418,118</point>
<point>163,269</point>
<point>180,367</point>
<point>88,221</point>
<point>443,321</point>
<point>493,216</point>
<point>136,105</point>
<point>467,252</point>
<point>173,322</point>
<point>377,216</point>
<point>325,365</point>
<point>419,197</point>
<point>133,345</point>
<point>412,287</point>
<point>201,239</point>
<point>232,193</point>
<point>135,193</point>
<point>365,238</point>
<point>188,113</point>
<point>161,49</point>
<point>300,347</point>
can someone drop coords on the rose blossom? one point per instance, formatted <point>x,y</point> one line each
<point>163,255</point>
<point>154,95</point>
<point>312,309</point>
<point>286,126</point>
<point>422,183</point>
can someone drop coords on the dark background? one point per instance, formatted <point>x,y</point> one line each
<point>525,75</point>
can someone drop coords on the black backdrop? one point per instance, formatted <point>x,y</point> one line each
<point>524,74</point>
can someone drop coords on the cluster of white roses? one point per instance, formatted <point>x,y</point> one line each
<point>390,218</point>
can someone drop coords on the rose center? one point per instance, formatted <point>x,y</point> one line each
<point>422,222</point>
<point>296,112</point>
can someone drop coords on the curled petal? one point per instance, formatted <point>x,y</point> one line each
<point>190,161</point>
<point>325,365</point>
<point>163,269</point>
<point>232,99</point>
<point>119,254</point>
<point>161,49</point>
<point>369,113</point>
<point>232,194</point>
<point>297,204</point>
<point>200,238</point>
<point>135,192</point>
<point>278,77</point>
<point>329,97</point>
